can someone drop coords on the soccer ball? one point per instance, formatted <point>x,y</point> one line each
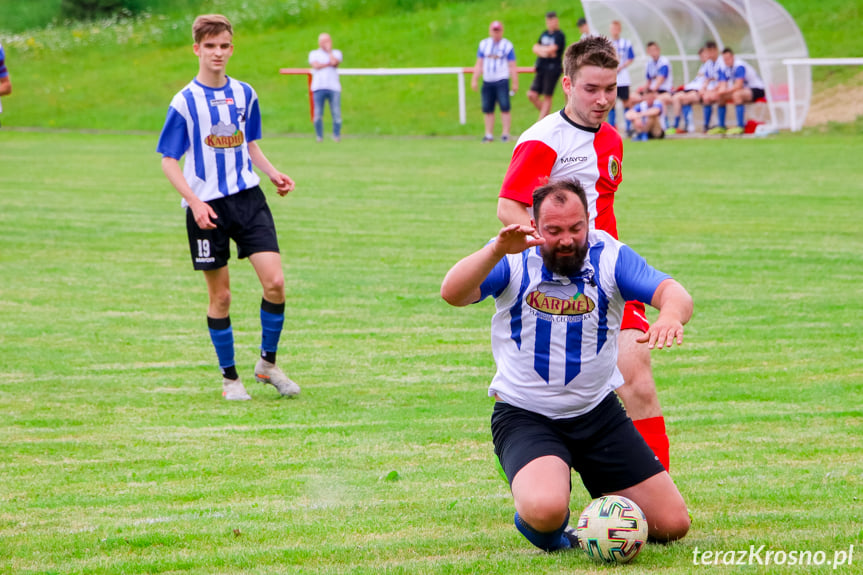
<point>612,529</point>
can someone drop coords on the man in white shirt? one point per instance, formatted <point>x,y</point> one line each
<point>495,60</point>
<point>326,86</point>
<point>559,290</point>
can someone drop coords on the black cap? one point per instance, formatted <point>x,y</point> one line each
<point>551,14</point>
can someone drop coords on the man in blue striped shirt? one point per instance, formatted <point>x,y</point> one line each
<point>495,59</point>
<point>215,123</point>
<point>559,291</point>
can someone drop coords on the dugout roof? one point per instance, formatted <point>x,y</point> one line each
<point>759,31</point>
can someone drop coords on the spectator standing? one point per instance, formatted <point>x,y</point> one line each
<point>549,50</point>
<point>326,87</point>
<point>625,55</point>
<point>495,60</point>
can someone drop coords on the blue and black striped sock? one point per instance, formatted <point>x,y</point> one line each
<point>272,321</point>
<point>222,335</point>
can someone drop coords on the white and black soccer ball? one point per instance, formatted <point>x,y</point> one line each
<point>612,529</point>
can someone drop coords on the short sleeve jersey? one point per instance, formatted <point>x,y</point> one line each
<point>656,68</point>
<point>702,77</point>
<point>496,57</point>
<point>742,70</point>
<point>625,53</point>
<point>3,71</point>
<point>547,39</point>
<point>212,128</point>
<point>325,78</point>
<point>554,338</point>
<point>557,148</point>
<point>643,107</point>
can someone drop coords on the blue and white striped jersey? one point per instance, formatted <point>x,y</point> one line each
<point>212,128</point>
<point>554,338</point>
<point>703,77</point>
<point>742,69</point>
<point>495,59</point>
<point>625,53</point>
<point>659,67</point>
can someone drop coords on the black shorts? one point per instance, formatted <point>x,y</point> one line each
<point>602,445</point>
<point>545,81</point>
<point>757,93</point>
<point>495,92</point>
<point>623,93</point>
<point>243,217</point>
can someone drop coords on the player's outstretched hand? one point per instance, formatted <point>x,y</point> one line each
<point>663,333</point>
<point>283,183</point>
<point>515,238</point>
<point>204,215</point>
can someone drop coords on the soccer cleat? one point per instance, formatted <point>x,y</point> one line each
<point>671,131</point>
<point>571,535</point>
<point>487,139</point>
<point>270,373</point>
<point>233,390</point>
<point>716,131</point>
<point>735,131</point>
<point>504,138</point>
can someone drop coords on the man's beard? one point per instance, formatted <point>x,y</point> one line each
<point>565,262</point>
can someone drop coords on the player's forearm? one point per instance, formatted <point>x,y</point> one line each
<point>461,286</point>
<point>260,160</point>
<point>673,301</point>
<point>512,212</point>
<point>174,173</point>
<point>5,86</point>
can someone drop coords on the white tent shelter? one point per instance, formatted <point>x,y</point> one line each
<point>759,31</point>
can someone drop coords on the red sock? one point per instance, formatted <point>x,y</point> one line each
<point>652,430</point>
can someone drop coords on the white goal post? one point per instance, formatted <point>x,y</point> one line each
<point>459,73</point>
<point>790,63</point>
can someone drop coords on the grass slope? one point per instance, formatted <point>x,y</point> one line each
<point>117,454</point>
<point>121,75</point>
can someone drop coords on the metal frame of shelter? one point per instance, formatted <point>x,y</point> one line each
<point>759,31</point>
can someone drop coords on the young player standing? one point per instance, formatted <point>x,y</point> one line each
<point>576,144</point>
<point>215,122</point>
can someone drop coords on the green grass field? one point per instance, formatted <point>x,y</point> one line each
<point>118,455</point>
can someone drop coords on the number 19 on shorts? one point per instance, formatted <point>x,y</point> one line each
<point>203,248</point>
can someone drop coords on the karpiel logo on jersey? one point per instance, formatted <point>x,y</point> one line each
<point>560,300</point>
<point>224,136</point>
<point>613,168</point>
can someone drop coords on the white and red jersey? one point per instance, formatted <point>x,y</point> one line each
<point>556,148</point>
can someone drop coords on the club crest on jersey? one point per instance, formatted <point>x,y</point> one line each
<point>613,168</point>
<point>560,300</point>
<point>224,135</point>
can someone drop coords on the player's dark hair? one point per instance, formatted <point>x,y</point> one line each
<point>728,51</point>
<point>711,45</point>
<point>558,192</point>
<point>591,51</point>
<point>652,43</point>
<point>207,25</point>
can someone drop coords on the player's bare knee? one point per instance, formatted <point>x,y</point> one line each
<point>544,511</point>
<point>670,527</point>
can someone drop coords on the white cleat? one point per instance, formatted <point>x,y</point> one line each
<point>233,390</point>
<point>267,372</point>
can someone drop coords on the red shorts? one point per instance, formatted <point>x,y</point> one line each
<point>634,317</point>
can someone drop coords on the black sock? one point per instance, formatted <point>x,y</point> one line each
<point>269,356</point>
<point>230,372</point>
